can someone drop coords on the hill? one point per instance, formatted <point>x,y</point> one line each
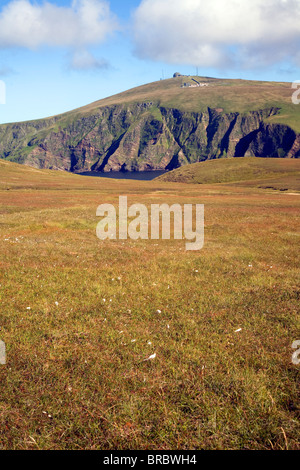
<point>162,125</point>
<point>268,173</point>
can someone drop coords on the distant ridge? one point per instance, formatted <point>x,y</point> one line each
<point>264,173</point>
<point>162,126</point>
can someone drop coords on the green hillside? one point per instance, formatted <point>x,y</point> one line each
<point>279,173</point>
<point>239,96</point>
<point>162,125</point>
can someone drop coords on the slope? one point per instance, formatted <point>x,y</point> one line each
<point>267,173</point>
<point>162,125</point>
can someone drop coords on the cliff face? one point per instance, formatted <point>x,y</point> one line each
<point>145,136</point>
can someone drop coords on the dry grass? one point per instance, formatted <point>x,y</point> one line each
<point>74,377</point>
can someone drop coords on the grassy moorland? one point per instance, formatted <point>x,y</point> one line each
<point>79,316</point>
<point>266,173</point>
<point>231,95</point>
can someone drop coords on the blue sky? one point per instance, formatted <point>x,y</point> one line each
<point>58,55</point>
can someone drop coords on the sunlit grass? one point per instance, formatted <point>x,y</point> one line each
<point>266,173</point>
<point>80,316</point>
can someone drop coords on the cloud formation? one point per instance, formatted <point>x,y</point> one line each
<point>31,25</point>
<point>82,60</point>
<point>218,33</point>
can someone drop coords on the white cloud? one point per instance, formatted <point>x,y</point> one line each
<point>218,33</point>
<point>31,25</point>
<point>84,60</point>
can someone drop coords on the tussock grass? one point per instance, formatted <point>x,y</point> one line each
<point>75,376</point>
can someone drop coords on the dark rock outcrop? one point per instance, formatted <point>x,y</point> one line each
<point>145,136</point>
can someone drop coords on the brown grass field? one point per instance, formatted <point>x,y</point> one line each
<point>79,316</point>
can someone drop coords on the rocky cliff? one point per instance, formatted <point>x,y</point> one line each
<point>145,136</point>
